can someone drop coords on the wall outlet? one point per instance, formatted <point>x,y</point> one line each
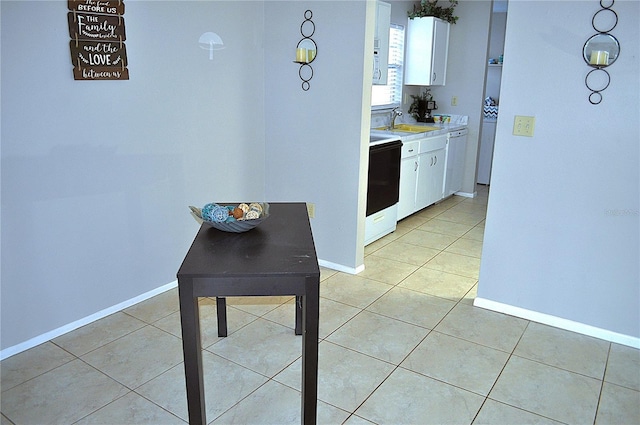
<point>454,100</point>
<point>311,210</point>
<point>524,126</point>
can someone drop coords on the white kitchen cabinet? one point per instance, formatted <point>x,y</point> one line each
<point>422,168</point>
<point>408,179</point>
<point>381,43</point>
<point>431,167</point>
<point>427,52</point>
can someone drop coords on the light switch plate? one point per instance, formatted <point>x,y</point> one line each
<point>524,126</point>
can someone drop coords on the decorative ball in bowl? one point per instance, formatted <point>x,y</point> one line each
<point>233,218</point>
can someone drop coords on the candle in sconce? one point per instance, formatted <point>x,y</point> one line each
<point>599,57</point>
<point>301,55</point>
<point>311,54</point>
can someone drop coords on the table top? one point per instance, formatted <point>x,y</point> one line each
<point>282,245</point>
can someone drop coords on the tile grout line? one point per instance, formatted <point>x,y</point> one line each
<point>501,371</point>
<point>604,373</point>
<point>396,367</point>
<point>460,301</point>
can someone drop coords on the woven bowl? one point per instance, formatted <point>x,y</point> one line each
<point>236,226</point>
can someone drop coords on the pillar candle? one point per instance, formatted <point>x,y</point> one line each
<point>599,57</point>
<point>301,55</point>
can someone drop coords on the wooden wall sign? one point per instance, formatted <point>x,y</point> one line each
<point>87,26</point>
<point>106,7</point>
<point>97,32</point>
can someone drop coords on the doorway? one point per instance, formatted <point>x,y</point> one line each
<point>492,91</point>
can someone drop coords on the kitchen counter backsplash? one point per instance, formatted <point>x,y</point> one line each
<point>383,119</point>
<point>451,119</point>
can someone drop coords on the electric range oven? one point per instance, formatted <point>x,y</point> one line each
<point>383,187</point>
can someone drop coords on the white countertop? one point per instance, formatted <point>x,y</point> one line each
<point>406,136</point>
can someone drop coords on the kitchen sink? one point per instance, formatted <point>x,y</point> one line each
<point>409,128</point>
<point>414,128</point>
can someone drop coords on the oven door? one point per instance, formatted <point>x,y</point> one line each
<point>383,187</point>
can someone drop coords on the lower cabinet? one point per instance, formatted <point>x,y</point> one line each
<point>408,179</point>
<point>430,177</point>
<point>422,170</point>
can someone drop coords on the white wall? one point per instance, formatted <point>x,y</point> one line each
<point>97,175</point>
<point>562,228</point>
<point>316,150</point>
<point>97,216</point>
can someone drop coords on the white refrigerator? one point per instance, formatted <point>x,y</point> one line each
<point>485,156</point>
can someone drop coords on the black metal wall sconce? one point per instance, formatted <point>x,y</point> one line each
<point>306,50</point>
<point>601,50</point>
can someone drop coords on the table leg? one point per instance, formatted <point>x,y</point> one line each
<point>310,305</point>
<point>221,307</point>
<point>298,315</point>
<point>190,320</point>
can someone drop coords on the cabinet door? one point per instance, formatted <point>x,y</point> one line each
<point>440,53</point>
<point>408,179</point>
<point>436,178</point>
<point>425,162</point>
<point>431,167</point>
<point>427,51</point>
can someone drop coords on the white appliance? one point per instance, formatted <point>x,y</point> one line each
<point>383,186</point>
<point>381,43</point>
<point>456,152</point>
<point>380,224</point>
<point>377,71</point>
<point>485,155</point>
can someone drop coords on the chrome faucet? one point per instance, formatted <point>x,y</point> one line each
<point>394,114</point>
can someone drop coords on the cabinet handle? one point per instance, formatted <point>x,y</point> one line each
<point>434,77</point>
<point>436,160</point>
<point>416,166</point>
<point>432,161</point>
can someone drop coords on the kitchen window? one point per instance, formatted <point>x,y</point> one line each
<point>390,95</point>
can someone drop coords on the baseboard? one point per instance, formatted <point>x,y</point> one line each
<point>558,322</point>
<point>467,194</point>
<point>340,267</point>
<point>10,351</point>
<point>48,336</point>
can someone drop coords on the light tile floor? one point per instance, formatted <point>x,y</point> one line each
<point>401,343</point>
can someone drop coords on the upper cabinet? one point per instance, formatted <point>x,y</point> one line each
<point>427,50</point>
<point>381,43</point>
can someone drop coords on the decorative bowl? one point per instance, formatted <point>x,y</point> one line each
<point>234,226</point>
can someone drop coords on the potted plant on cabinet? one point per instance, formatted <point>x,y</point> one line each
<point>431,8</point>
<point>419,108</point>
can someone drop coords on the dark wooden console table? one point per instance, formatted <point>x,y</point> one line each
<point>276,258</point>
